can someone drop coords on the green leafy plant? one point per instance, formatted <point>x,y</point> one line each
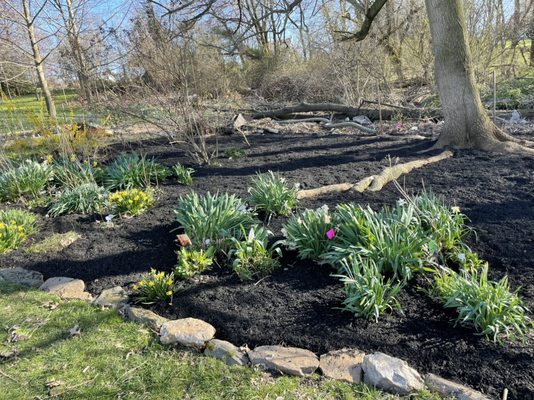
<point>70,174</point>
<point>84,199</point>
<point>493,310</point>
<point>269,193</point>
<point>306,232</point>
<point>253,258</point>
<point>130,171</point>
<point>131,202</point>
<point>465,258</point>
<point>192,262</point>
<point>368,293</point>
<point>156,286</point>
<point>183,174</point>
<point>15,227</point>
<point>28,180</point>
<point>234,153</point>
<point>212,220</point>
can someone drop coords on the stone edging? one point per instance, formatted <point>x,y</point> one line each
<point>350,365</point>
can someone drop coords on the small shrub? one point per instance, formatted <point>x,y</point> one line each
<point>130,171</point>
<point>156,286</point>
<point>192,262</point>
<point>84,199</point>
<point>212,220</point>
<point>368,293</point>
<point>234,153</point>
<point>269,193</point>
<point>131,202</point>
<point>306,232</point>
<point>252,256</point>
<point>183,174</point>
<point>27,180</point>
<point>15,226</point>
<point>490,307</point>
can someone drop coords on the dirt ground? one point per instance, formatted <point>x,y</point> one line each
<point>299,304</point>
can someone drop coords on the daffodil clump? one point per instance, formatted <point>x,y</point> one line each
<point>15,226</point>
<point>131,202</point>
<point>156,286</point>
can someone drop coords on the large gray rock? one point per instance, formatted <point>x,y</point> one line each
<point>289,360</point>
<point>144,316</point>
<point>390,374</point>
<point>21,276</point>
<point>344,365</point>
<point>452,389</point>
<point>66,288</point>
<point>111,298</point>
<point>226,352</point>
<point>187,332</point>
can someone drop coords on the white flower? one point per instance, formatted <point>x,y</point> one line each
<point>284,232</point>
<point>109,218</point>
<point>455,209</point>
<point>207,242</point>
<point>299,221</point>
<point>461,257</point>
<point>327,219</point>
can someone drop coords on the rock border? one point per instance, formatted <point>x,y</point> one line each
<point>376,369</point>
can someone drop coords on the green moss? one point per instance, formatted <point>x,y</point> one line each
<point>55,243</point>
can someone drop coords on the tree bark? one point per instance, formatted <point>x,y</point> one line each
<point>38,61</point>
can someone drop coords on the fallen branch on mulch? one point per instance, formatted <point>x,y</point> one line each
<point>374,183</point>
<point>329,124</point>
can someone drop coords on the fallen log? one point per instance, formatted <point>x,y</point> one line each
<point>374,183</point>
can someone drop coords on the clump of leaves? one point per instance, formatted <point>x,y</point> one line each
<point>212,220</point>
<point>15,227</point>
<point>368,293</point>
<point>72,173</point>
<point>253,258</point>
<point>84,199</point>
<point>28,180</point>
<point>494,311</point>
<point>130,171</point>
<point>306,232</point>
<point>131,202</point>
<point>270,193</point>
<point>183,174</point>
<point>192,262</point>
<point>234,153</point>
<point>156,286</point>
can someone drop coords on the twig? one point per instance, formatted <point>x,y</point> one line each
<point>8,376</point>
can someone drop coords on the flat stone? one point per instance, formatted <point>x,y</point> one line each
<point>344,365</point>
<point>391,374</point>
<point>452,389</point>
<point>226,352</point>
<point>144,316</point>
<point>289,360</point>
<point>187,332</point>
<point>111,298</point>
<point>21,276</point>
<point>66,288</point>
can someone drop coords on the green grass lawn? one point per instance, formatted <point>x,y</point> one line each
<point>115,359</point>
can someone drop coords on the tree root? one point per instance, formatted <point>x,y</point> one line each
<point>374,183</point>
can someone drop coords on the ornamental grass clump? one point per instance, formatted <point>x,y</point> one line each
<point>493,310</point>
<point>84,199</point>
<point>306,232</point>
<point>15,227</point>
<point>28,180</point>
<point>130,171</point>
<point>368,293</point>
<point>252,256</point>
<point>192,262</point>
<point>213,220</point>
<point>270,193</point>
<point>69,174</point>
<point>131,202</point>
<point>183,174</point>
<point>155,287</point>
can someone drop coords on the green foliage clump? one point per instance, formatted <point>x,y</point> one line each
<point>234,153</point>
<point>28,180</point>
<point>70,174</point>
<point>183,174</point>
<point>490,307</point>
<point>269,193</point>
<point>130,171</point>
<point>84,199</point>
<point>156,286</point>
<point>306,233</point>
<point>15,227</point>
<point>253,258</point>
<point>212,220</point>
<point>192,262</point>
<point>131,202</point>
<point>368,293</point>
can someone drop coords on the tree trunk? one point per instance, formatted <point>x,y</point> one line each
<point>38,61</point>
<point>466,123</point>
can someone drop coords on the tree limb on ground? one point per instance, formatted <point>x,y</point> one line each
<point>374,183</point>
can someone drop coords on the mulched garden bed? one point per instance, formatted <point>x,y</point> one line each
<point>299,304</point>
